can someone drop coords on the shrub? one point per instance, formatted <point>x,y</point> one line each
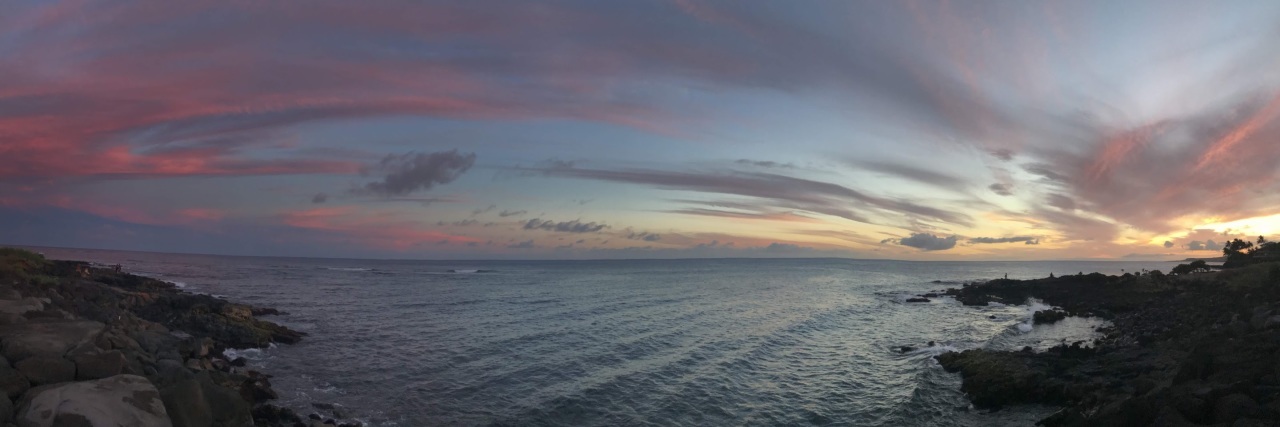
<point>20,263</point>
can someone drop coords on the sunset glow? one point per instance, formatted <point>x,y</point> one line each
<point>663,129</point>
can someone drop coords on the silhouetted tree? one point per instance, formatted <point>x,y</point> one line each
<point>1236,247</point>
<point>1156,276</point>
<point>1194,267</point>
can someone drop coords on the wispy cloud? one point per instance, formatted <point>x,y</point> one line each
<point>780,191</point>
<point>573,226</point>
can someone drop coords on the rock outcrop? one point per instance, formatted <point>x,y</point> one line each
<point>86,346</point>
<point>1190,350</point>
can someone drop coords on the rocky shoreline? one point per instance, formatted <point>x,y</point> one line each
<point>88,346</point>
<point>1196,349</point>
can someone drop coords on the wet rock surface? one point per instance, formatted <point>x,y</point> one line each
<point>1192,350</point>
<point>107,348</point>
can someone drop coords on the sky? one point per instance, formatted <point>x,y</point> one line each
<point>929,130</point>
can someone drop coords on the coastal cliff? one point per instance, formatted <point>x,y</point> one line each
<point>90,346</point>
<point>1193,349</point>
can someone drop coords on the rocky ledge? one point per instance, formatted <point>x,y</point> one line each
<point>1197,349</point>
<point>88,346</point>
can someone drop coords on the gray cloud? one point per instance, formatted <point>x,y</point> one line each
<point>574,226</point>
<point>786,247</point>
<point>764,163</point>
<point>760,214</point>
<point>461,223</point>
<point>644,235</point>
<point>507,213</point>
<point>1208,245</point>
<point>1001,189</point>
<point>927,242</point>
<point>425,201</point>
<point>1061,202</point>
<point>319,198</point>
<point>1168,244</point>
<point>1030,240</point>
<point>1002,154</point>
<point>913,173</point>
<point>527,244</point>
<point>410,172</point>
<point>487,209</point>
<point>1046,171</point>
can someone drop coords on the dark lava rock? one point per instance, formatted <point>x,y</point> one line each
<point>1232,407</point>
<point>917,299</point>
<point>185,403</point>
<point>268,414</point>
<point>993,379</point>
<point>1048,316</point>
<point>47,370</point>
<point>267,311</point>
<point>99,365</point>
<point>12,382</point>
<point>257,390</point>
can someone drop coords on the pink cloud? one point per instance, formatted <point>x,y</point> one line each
<point>376,231</point>
<point>104,88</point>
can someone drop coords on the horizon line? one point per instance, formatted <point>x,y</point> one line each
<point>586,259</point>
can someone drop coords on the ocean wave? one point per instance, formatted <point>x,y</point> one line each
<point>347,268</point>
<point>251,354</point>
<point>933,350</point>
<point>1028,322</point>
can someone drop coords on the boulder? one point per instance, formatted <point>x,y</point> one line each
<point>1170,417</point>
<point>268,414</point>
<point>228,408</point>
<point>20,306</point>
<point>99,365</point>
<point>917,299</point>
<point>1259,318</point>
<point>122,400</point>
<point>1234,406</point>
<point>1048,316</point>
<point>53,339</point>
<point>12,382</point>
<point>12,311</point>
<point>47,370</point>
<point>6,408</point>
<point>155,342</point>
<point>196,347</point>
<point>1272,322</point>
<point>257,390</point>
<point>185,403</point>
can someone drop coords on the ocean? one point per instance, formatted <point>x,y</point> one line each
<point>620,343</point>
